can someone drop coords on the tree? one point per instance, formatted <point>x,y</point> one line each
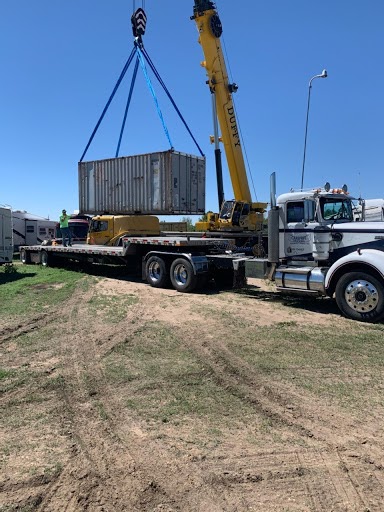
<point>190,224</point>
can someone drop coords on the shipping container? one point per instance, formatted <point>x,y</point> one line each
<point>163,183</point>
<point>173,226</point>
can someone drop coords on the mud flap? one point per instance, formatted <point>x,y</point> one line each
<point>239,279</point>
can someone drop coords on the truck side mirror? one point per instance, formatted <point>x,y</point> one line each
<point>309,210</point>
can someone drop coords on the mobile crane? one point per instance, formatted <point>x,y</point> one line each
<point>241,213</point>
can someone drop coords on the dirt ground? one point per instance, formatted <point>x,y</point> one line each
<point>82,448</point>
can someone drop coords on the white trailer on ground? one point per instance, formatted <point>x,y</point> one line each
<point>6,239</point>
<point>29,229</point>
<point>371,210</point>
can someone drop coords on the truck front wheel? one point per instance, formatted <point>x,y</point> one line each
<point>183,277</point>
<point>156,272</point>
<point>360,296</point>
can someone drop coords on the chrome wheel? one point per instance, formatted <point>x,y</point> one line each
<point>183,277</point>
<point>44,259</point>
<point>361,295</point>
<point>180,274</point>
<point>154,271</point>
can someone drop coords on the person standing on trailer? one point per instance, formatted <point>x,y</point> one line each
<point>64,228</point>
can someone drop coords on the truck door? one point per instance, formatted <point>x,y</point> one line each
<point>30,232</point>
<point>298,235</point>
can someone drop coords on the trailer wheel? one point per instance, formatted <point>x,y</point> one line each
<point>360,296</point>
<point>156,272</point>
<point>44,259</point>
<point>183,277</point>
<point>24,257</point>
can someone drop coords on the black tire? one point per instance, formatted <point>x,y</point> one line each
<point>44,259</point>
<point>156,272</point>
<point>360,296</point>
<point>183,278</point>
<point>24,257</point>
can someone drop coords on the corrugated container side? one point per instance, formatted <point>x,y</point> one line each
<point>173,226</point>
<point>162,183</point>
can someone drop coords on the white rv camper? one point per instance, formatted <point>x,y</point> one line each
<point>6,241</point>
<point>373,211</point>
<point>29,229</point>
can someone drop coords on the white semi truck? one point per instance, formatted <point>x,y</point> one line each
<point>316,248</point>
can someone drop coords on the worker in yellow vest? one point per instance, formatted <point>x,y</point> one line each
<point>64,228</point>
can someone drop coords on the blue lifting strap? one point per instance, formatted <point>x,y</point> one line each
<point>122,74</point>
<point>149,83</point>
<point>161,82</point>
<point>127,105</point>
<point>141,54</point>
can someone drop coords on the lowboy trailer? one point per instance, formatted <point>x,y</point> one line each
<point>183,262</point>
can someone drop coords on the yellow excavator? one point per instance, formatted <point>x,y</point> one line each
<point>240,214</point>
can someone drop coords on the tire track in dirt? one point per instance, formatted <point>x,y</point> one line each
<point>96,472</point>
<point>30,324</point>
<point>235,375</point>
<point>114,462</point>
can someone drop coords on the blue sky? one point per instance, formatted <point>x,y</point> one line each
<point>60,62</point>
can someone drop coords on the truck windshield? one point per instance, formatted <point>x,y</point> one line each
<point>336,209</point>
<point>98,225</point>
<point>79,230</point>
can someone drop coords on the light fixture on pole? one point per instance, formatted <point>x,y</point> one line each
<point>324,74</point>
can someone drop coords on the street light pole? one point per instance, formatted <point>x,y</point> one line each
<point>324,74</point>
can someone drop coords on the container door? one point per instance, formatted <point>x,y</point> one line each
<point>31,232</point>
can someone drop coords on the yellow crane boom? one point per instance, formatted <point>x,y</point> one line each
<point>210,29</point>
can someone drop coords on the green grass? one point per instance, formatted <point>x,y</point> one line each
<point>344,367</point>
<point>33,288</point>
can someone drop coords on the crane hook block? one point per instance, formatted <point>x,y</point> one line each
<point>139,22</point>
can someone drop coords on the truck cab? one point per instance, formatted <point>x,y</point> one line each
<point>109,229</point>
<point>316,247</point>
<point>319,226</point>
<point>314,225</point>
